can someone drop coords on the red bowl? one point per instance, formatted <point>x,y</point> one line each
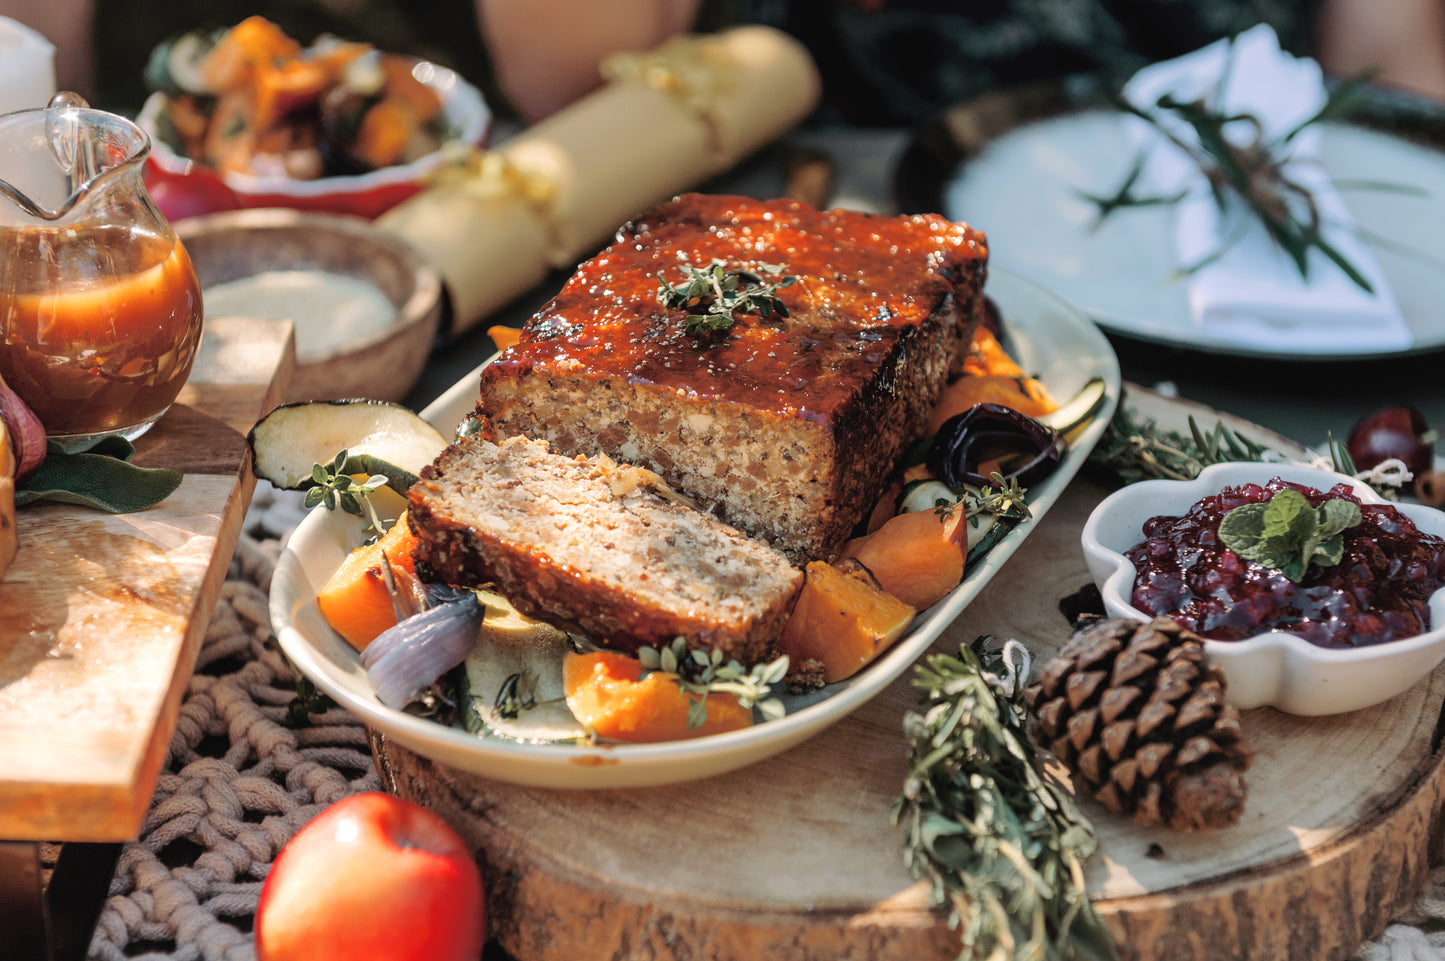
<point>365,195</point>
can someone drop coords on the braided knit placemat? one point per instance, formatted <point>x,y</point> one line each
<point>239,781</point>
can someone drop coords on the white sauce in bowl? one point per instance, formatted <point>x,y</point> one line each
<point>330,311</point>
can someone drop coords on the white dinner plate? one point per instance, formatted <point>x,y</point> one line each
<point>1026,189</point>
<point>1049,338</point>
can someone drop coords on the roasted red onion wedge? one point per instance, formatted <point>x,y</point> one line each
<point>991,434</point>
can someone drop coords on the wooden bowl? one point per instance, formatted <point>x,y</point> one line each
<point>384,362</point>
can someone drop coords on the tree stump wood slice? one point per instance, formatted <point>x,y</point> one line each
<point>796,859</point>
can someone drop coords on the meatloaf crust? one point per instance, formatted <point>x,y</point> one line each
<point>593,547</point>
<point>785,427</point>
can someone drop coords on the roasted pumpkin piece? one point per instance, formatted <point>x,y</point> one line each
<point>1023,394</point>
<point>253,42</point>
<point>356,601</point>
<point>917,557</point>
<point>987,356</point>
<point>386,132</point>
<point>607,692</point>
<point>843,619</point>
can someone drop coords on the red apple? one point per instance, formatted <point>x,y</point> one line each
<point>375,877</point>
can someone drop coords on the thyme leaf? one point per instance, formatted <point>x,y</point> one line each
<point>700,673</point>
<point>714,296</point>
<point>1001,845</point>
<point>334,488</point>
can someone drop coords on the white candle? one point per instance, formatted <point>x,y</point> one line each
<point>27,67</point>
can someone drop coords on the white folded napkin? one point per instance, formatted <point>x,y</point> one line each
<point>27,67</point>
<point>1253,294</point>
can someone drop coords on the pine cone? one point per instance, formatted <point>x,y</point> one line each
<point>1138,716</point>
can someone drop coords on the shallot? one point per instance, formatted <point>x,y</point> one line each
<point>27,434</point>
<point>405,660</point>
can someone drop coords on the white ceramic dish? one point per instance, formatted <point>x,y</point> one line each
<point>1276,669</point>
<point>1029,185</point>
<point>1048,337</point>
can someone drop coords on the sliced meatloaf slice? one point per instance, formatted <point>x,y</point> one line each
<point>784,425</point>
<point>595,547</point>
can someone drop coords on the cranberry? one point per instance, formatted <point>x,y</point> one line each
<point>1379,591</point>
<point>1393,431</point>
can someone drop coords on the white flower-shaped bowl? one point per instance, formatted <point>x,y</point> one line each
<point>1276,668</point>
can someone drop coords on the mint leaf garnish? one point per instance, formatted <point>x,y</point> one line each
<point>1289,535</point>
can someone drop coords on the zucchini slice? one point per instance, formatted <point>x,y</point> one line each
<point>380,437</point>
<point>1079,410</point>
<point>517,653</point>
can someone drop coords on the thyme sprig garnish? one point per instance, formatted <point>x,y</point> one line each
<point>700,673</point>
<point>335,488</point>
<point>1001,845</point>
<point>1003,499</point>
<point>714,296</point>
<point>1242,167</point>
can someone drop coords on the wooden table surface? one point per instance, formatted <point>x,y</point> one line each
<point>795,859</point>
<point>101,615</point>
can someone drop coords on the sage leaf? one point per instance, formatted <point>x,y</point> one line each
<point>98,480</point>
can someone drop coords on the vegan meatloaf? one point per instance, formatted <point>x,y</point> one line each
<point>597,547</point>
<point>784,426</point>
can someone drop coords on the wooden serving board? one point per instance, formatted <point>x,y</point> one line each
<point>795,858</point>
<point>101,616</point>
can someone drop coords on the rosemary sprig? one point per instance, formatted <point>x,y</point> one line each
<point>1248,169</point>
<point>335,488</point>
<point>713,296</point>
<point>1133,449</point>
<point>699,674</point>
<point>1001,845</point>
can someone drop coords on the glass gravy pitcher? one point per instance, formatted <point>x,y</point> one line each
<point>100,308</point>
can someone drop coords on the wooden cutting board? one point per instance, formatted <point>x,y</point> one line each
<point>795,858</point>
<point>101,616</point>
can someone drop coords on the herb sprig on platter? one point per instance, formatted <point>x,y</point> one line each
<point>700,673</point>
<point>334,488</point>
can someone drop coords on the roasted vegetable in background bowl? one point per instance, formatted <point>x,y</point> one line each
<point>338,125</point>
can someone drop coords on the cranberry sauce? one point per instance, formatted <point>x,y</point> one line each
<point>1379,591</point>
